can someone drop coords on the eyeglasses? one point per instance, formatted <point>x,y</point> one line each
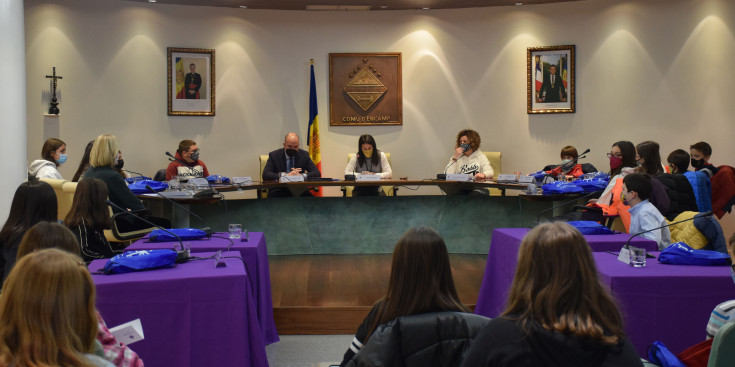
<point>610,155</point>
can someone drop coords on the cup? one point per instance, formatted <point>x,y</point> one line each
<point>637,257</point>
<point>235,231</point>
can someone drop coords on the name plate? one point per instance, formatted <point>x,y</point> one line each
<point>527,179</point>
<point>506,177</point>
<point>291,178</point>
<point>624,255</point>
<point>368,178</point>
<point>243,181</point>
<point>199,182</point>
<point>462,177</point>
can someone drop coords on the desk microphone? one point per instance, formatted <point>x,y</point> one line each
<point>700,215</point>
<point>538,216</point>
<point>581,156</point>
<point>133,172</point>
<point>181,243</point>
<point>205,229</point>
<point>453,162</point>
<point>185,164</point>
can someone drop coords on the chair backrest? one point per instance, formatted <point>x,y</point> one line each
<point>263,159</point>
<point>494,158</point>
<point>405,340</point>
<point>66,199</point>
<point>387,189</point>
<point>723,347</point>
<point>160,175</point>
<point>63,201</point>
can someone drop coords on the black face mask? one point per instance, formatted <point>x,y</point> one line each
<point>120,164</point>
<point>291,153</point>
<point>697,163</point>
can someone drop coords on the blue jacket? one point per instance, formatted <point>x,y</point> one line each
<point>702,189</point>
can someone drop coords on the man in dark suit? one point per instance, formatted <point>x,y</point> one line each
<point>288,161</point>
<point>192,83</point>
<point>552,90</point>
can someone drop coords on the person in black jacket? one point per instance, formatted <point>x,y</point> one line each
<point>289,161</point>
<point>420,282</point>
<point>557,313</point>
<point>88,218</point>
<point>103,158</point>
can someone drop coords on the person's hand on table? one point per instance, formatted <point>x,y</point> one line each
<point>295,171</point>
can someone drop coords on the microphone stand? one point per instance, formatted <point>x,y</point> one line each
<point>127,212</point>
<point>538,216</point>
<point>205,229</point>
<point>700,215</point>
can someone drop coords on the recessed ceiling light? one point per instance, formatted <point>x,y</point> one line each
<point>519,4</point>
<point>425,8</point>
<point>151,1</point>
<point>243,6</point>
<point>384,6</point>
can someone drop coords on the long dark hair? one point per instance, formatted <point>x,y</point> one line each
<point>556,286</point>
<point>375,158</point>
<point>89,208</point>
<point>33,202</point>
<point>420,278</point>
<point>84,164</point>
<point>649,151</point>
<point>627,149</point>
<point>48,235</point>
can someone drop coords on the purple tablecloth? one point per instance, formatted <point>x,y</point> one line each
<point>255,254</point>
<point>503,256</point>
<point>671,303</point>
<point>192,315</point>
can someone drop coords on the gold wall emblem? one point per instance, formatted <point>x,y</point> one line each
<point>365,89</point>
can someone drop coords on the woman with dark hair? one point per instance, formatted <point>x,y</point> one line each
<point>468,158</point>
<point>648,158</point>
<point>420,281</point>
<point>34,201</point>
<point>88,218</point>
<point>558,313</point>
<point>48,235</point>
<point>622,162</point>
<point>53,154</point>
<point>48,314</point>
<point>84,163</point>
<point>368,161</point>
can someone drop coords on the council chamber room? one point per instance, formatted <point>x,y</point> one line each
<point>350,183</point>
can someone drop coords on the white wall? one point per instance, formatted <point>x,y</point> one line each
<point>12,102</point>
<point>646,70</point>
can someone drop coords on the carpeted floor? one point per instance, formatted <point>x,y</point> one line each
<point>308,350</point>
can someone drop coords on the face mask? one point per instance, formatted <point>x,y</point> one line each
<point>732,272</point>
<point>615,162</point>
<point>622,198</point>
<point>62,159</point>
<point>120,163</point>
<point>697,163</point>
<point>291,153</point>
<point>638,162</point>
<point>567,165</point>
<point>367,153</point>
<point>195,156</point>
<point>117,159</point>
<point>465,146</point>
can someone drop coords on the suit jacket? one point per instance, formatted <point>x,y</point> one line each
<point>553,93</point>
<point>277,164</point>
<point>196,80</point>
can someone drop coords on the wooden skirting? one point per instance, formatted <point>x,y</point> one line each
<point>332,294</point>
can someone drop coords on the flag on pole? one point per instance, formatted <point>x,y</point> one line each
<point>564,73</point>
<point>313,142</point>
<point>539,75</point>
<point>180,78</point>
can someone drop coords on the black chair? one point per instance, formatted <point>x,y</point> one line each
<point>160,175</point>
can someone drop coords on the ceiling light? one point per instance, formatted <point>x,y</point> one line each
<point>151,1</point>
<point>425,8</point>
<point>519,4</point>
<point>243,6</point>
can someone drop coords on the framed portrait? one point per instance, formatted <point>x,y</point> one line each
<point>365,89</point>
<point>190,82</point>
<point>550,80</point>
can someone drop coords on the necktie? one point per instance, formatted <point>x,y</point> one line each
<point>289,164</point>
<point>552,80</point>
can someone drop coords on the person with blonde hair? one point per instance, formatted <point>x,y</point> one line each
<point>557,313</point>
<point>47,313</point>
<point>102,159</point>
<point>53,154</point>
<point>420,282</point>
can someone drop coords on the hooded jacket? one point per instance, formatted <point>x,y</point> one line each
<point>41,168</point>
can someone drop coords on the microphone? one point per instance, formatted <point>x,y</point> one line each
<point>205,229</point>
<point>191,170</point>
<point>175,159</point>
<point>353,176</point>
<point>110,203</point>
<point>700,215</point>
<point>583,154</point>
<point>538,216</point>
<point>133,172</point>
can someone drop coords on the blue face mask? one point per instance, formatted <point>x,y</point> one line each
<point>465,147</point>
<point>62,159</point>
